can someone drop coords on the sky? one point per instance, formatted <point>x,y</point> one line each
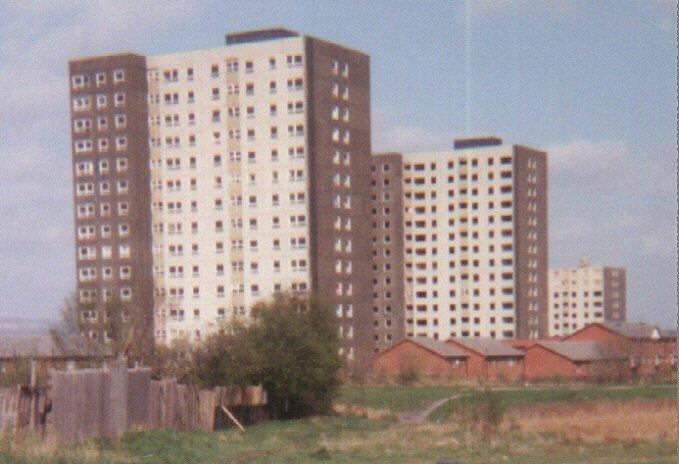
<point>592,83</point>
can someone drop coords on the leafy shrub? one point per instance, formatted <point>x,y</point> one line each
<point>483,412</point>
<point>290,347</point>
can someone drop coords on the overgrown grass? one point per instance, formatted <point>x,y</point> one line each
<point>599,421</point>
<point>346,440</point>
<point>396,398</point>
<point>522,396</point>
<point>359,440</point>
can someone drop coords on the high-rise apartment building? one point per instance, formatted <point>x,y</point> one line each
<point>475,240</point>
<point>386,177</point>
<point>251,161</point>
<point>585,294</point>
<point>111,188</point>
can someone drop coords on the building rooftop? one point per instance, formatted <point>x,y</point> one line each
<point>476,142</point>
<point>487,346</point>
<point>259,35</point>
<point>633,329</point>
<point>523,344</point>
<point>668,333</point>
<point>580,351</point>
<point>13,346</point>
<point>439,347</point>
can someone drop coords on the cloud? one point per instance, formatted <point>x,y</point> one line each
<point>390,134</point>
<point>586,156</point>
<point>616,204</point>
<point>37,39</point>
<point>68,30</point>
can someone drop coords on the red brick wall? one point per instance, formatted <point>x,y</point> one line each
<point>643,351</point>
<point>505,369</point>
<point>491,369</point>
<point>653,355</point>
<point>541,363</point>
<point>407,355</point>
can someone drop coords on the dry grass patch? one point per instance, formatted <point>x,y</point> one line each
<point>599,421</point>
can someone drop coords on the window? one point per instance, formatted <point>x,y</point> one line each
<point>123,208</point>
<point>122,186</point>
<point>82,125</point>
<point>125,294</point>
<point>125,272</point>
<point>102,123</point>
<point>171,75</point>
<point>118,76</point>
<point>294,60</point>
<point>79,81</point>
<point>121,164</point>
<point>120,121</point>
<point>87,274</point>
<point>121,143</point>
<point>119,99</point>
<point>84,168</point>
<point>124,251</point>
<point>84,189</point>
<point>123,229</point>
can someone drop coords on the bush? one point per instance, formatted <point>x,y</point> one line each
<point>229,357</point>
<point>290,347</point>
<point>408,375</point>
<point>297,343</point>
<point>483,412</point>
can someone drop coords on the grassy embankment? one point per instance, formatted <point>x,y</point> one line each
<point>525,436</point>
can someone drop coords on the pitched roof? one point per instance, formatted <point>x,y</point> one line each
<point>488,347</point>
<point>668,333</point>
<point>42,346</point>
<point>633,329</point>
<point>581,351</point>
<point>439,347</point>
<point>522,344</point>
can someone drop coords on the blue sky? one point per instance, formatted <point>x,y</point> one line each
<point>594,83</point>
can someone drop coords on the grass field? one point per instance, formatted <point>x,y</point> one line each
<point>536,435</point>
<point>523,396</point>
<point>396,398</point>
<point>348,440</point>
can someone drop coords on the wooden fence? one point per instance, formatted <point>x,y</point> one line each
<point>22,409</point>
<point>93,403</point>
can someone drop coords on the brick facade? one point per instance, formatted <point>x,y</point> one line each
<point>408,356</point>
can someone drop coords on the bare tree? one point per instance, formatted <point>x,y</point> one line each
<point>116,329</point>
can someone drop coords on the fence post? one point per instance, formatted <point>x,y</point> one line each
<point>116,401</point>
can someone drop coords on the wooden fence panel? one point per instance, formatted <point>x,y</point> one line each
<point>115,401</point>
<point>207,403</point>
<point>9,401</point>
<point>138,399</point>
<point>108,402</point>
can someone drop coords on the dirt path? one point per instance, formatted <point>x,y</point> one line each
<point>418,417</point>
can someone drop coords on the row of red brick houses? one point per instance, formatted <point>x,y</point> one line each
<point>616,351</point>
